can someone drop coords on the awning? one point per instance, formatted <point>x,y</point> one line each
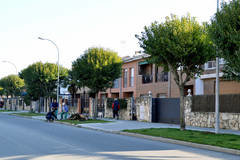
<point>142,62</point>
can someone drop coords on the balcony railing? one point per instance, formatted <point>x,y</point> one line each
<point>147,78</point>
<point>162,77</point>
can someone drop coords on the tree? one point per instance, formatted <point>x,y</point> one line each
<point>71,83</point>
<point>11,85</point>
<point>225,33</point>
<point>96,69</point>
<point>180,46</point>
<point>1,91</point>
<point>41,79</point>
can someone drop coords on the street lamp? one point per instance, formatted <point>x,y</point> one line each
<point>11,64</point>
<point>58,65</point>
<point>217,88</point>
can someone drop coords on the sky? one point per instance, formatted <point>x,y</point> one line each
<point>76,25</point>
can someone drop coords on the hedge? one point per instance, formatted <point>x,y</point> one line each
<point>122,102</point>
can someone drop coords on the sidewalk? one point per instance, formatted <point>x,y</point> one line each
<point>119,125</point>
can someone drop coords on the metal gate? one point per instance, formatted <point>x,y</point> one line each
<point>100,108</point>
<point>166,110</point>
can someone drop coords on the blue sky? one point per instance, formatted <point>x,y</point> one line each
<point>75,25</point>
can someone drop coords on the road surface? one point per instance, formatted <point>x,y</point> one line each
<point>29,139</point>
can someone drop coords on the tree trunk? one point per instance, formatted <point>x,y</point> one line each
<point>95,107</point>
<point>31,108</point>
<point>39,105</point>
<point>182,108</point>
<point>11,106</point>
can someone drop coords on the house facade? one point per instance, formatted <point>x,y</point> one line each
<point>205,84</point>
<point>139,78</point>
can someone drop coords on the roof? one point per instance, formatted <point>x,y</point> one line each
<point>135,57</point>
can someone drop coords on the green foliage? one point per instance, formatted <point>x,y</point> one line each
<point>11,85</point>
<point>181,46</point>
<point>96,69</point>
<point>122,103</point>
<point>225,32</point>
<point>177,44</point>
<point>41,79</point>
<point>27,99</point>
<point>1,90</point>
<point>71,83</point>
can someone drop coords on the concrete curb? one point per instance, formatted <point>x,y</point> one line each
<point>195,145</point>
<point>165,140</point>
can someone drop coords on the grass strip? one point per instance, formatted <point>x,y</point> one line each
<point>222,140</point>
<point>6,110</point>
<point>28,114</point>
<point>84,121</point>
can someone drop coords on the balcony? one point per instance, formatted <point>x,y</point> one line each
<point>147,79</point>
<point>162,77</point>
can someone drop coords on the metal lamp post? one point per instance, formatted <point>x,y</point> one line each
<point>217,89</point>
<point>11,64</point>
<point>58,65</point>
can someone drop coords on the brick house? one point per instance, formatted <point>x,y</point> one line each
<point>139,78</point>
<point>205,84</point>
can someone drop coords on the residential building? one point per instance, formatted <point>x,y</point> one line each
<point>205,84</point>
<point>140,78</point>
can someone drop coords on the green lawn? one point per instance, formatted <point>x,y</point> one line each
<point>86,121</point>
<point>5,110</point>
<point>221,140</point>
<point>28,114</point>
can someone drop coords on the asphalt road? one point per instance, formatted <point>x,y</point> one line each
<point>22,138</point>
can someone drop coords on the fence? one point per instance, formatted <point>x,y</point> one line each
<point>200,118</point>
<point>14,104</point>
<point>206,103</point>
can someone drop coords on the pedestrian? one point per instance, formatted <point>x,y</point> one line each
<point>1,103</point>
<point>54,107</point>
<point>64,110</point>
<point>115,108</point>
<point>51,116</point>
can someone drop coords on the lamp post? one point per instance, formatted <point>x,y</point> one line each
<point>11,64</point>
<point>217,89</point>
<point>58,65</point>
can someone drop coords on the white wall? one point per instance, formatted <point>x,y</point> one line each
<point>199,87</point>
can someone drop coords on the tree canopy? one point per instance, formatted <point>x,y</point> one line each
<point>225,32</point>
<point>11,85</point>
<point>41,79</point>
<point>180,45</point>
<point>96,69</point>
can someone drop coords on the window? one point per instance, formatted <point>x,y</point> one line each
<point>125,78</point>
<point>162,77</point>
<point>116,83</point>
<point>161,95</point>
<point>132,77</point>
<point>210,65</point>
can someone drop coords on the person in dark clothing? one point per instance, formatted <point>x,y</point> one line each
<point>115,108</point>
<point>1,104</point>
<point>51,116</point>
<point>54,107</point>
